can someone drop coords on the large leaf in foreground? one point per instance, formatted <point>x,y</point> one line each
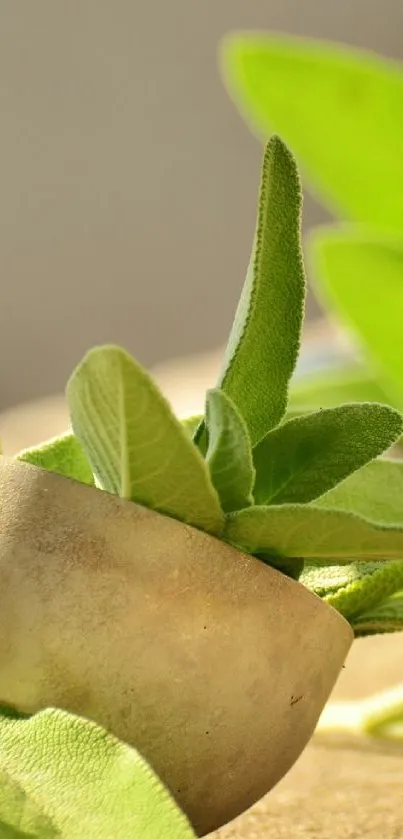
<point>63,455</point>
<point>361,279</point>
<point>375,492</point>
<point>309,455</point>
<point>263,345</point>
<point>310,532</point>
<point>137,448</point>
<point>340,110</point>
<point>229,452</point>
<point>62,776</point>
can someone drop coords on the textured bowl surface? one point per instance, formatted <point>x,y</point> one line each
<point>215,666</point>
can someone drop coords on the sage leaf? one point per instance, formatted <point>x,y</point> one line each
<point>229,452</point>
<point>307,456</point>
<point>388,617</point>
<point>312,533</point>
<point>136,446</point>
<point>63,455</point>
<point>340,110</point>
<point>264,341</point>
<point>63,776</point>
<point>348,265</point>
<point>357,588</point>
<point>375,492</point>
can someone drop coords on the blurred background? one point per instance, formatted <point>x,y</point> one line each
<point>129,181</point>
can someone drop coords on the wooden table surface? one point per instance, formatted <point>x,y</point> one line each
<point>335,791</point>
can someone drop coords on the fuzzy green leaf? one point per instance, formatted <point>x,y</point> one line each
<point>312,533</point>
<point>375,492</point>
<point>62,776</point>
<point>307,456</point>
<point>63,455</point>
<point>137,448</point>
<point>357,588</point>
<point>263,345</point>
<point>361,279</point>
<point>339,109</point>
<point>229,452</point>
<point>388,617</point>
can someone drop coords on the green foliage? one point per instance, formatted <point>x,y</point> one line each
<point>340,110</point>
<point>374,492</point>
<point>351,158</point>
<point>243,476</point>
<point>361,279</point>
<point>63,777</point>
<point>263,345</point>
<point>137,448</point>
<point>63,455</point>
<point>387,616</point>
<point>307,456</point>
<point>356,589</point>
<point>310,532</point>
<point>229,453</point>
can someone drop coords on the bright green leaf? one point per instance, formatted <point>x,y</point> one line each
<point>63,455</point>
<point>354,589</point>
<point>388,617</point>
<point>361,279</point>
<point>375,492</point>
<point>62,776</point>
<point>137,448</point>
<point>307,456</point>
<point>229,452</point>
<point>339,109</point>
<point>330,388</point>
<point>263,345</point>
<point>21,817</point>
<point>312,533</point>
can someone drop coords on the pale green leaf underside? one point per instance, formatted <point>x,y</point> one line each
<point>137,448</point>
<point>229,453</point>
<point>263,345</point>
<point>307,456</point>
<point>63,455</point>
<point>69,776</point>
<point>339,109</point>
<point>375,492</point>
<point>362,281</point>
<point>357,588</point>
<point>311,532</point>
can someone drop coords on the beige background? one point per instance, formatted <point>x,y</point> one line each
<point>128,180</point>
